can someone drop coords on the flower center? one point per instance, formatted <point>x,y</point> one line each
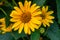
<point>43,16</point>
<point>25,17</point>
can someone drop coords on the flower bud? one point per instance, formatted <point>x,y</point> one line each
<point>42,30</point>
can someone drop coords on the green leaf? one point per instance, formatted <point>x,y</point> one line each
<point>58,10</point>
<point>6,36</point>
<point>39,2</point>
<point>53,32</point>
<point>35,35</point>
<point>16,35</point>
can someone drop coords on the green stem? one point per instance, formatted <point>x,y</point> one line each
<point>3,12</point>
<point>14,2</point>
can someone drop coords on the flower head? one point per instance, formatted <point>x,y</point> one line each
<point>46,16</point>
<point>25,16</point>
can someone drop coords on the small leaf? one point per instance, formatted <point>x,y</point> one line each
<point>35,35</point>
<point>58,10</point>
<point>39,2</point>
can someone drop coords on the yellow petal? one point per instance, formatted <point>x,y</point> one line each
<point>35,8</point>
<point>34,25</point>
<point>26,28</point>
<point>30,26</point>
<point>14,14</point>
<point>16,24</point>
<point>47,24</point>
<point>38,18</point>
<point>2,19</point>
<point>21,6</point>
<point>36,21</point>
<point>50,17</point>
<point>43,9</point>
<point>29,4</point>
<point>32,7</point>
<point>9,28</point>
<point>14,19</point>
<point>36,13</point>
<point>50,21</point>
<point>21,27</point>
<point>16,28</point>
<point>49,12</point>
<point>26,4</point>
<point>46,8</point>
<point>18,10</point>
<point>29,32</point>
<point>44,24</point>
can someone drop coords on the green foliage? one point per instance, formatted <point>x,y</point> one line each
<point>6,36</point>
<point>35,35</point>
<point>16,35</point>
<point>39,2</point>
<point>58,10</point>
<point>53,32</point>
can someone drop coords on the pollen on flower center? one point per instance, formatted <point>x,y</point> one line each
<point>43,16</point>
<point>25,17</point>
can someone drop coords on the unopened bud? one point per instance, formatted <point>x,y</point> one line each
<point>42,30</point>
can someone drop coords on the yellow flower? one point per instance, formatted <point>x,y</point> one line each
<point>3,27</point>
<point>25,16</point>
<point>7,29</point>
<point>46,16</point>
<point>2,23</point>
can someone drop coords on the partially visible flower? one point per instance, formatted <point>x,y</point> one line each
<point>2,23</point>
<point>7,29</point>
<point>25,17</point>
<point>46,16</point>
<point>3,27</point>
